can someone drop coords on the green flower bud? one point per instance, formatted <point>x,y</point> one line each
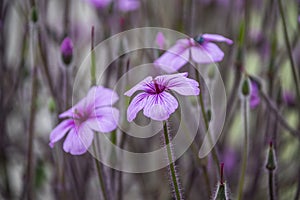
<point>271,160</point>
<point>246,87</point>
<point>34,14</point>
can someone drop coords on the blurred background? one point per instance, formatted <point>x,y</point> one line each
<point>36,85</point>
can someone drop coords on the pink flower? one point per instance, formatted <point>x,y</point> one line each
<point>160,40</point>
<point>157,102</point>
<point>128,5</point>
<point>92,113</point>
<point>254,95</point>
<point>200,49</point>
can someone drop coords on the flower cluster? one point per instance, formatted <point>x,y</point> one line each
<point>95,111</point>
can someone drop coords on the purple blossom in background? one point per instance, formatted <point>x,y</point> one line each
<point>157,102</point>
<point>128,5</point>
<point>92,113</point>
<point>66,49</point>
<point>200,49</point>
<point>289,98</point>
<point>100,3</point>
<point>160,40</point>
<point>254,95</point>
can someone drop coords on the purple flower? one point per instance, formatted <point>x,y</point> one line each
<point>289,98</point>
<point>66,49</point>
<point>254,95</point>
<point>200,49</point>
<point>157,102</point>
<point>92,113</point>
<point>128,5</point>
<point>160,40</point>
<point>100,3</point>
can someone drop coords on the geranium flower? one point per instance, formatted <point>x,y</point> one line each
<point>92,113</point>
<point>157,102</point>
<point>254,95</point>
<point>200,49</point>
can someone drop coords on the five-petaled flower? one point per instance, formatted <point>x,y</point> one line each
<point>157,102</point>
<point>92,113</point>
<point>200,49</point>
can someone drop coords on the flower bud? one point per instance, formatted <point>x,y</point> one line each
<point>34,14</point>
<point>221,193</point>
<point>66,49</point>
<point>245,87</point>
<point>208,114</point>
<point>271,160</point>
<point>51,105</point>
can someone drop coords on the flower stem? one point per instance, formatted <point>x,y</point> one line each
<point>290,54</point>
<point>271,192</point>
<point>34,92</point>
<point>174,177</point>
<point>100,176</point>
<point>245,150</point>
<point>204,114</point>
<point>93,59</point>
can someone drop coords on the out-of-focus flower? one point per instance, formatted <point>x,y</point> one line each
<point>66,49</point>
<point>157,102</point>
<point>254,95</point>
<point>200,49</point>
<point>289,98</point>
<point>100,3</point>
<point>92,113</point>
<point>160,40</point>
<point>128,5</point>
<point>121,5</point>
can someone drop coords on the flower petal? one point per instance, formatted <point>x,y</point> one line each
<point>137,104</point>
<point>216,38</point>
<point>128,5</point>
<point>160,106</point>
<point>97,96</point>
<point>104,119</point>
<point>179,83</point>
<point>174,58</point>
<point>100,96</point>
<point>207,53</point>
<point>70,113</point>
<point>254,96</point>
<point>60,131</point>
<point>160,40</point>
<point>78,140</point>
<point>139,86</point>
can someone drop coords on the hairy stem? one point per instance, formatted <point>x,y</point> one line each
<point>271,192</point>
<point>174,177</point>
<point>100,175</point>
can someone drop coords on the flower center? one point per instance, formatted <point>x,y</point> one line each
<point>81,117</point>
<point>156,88</point>
<point>199,39</point>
